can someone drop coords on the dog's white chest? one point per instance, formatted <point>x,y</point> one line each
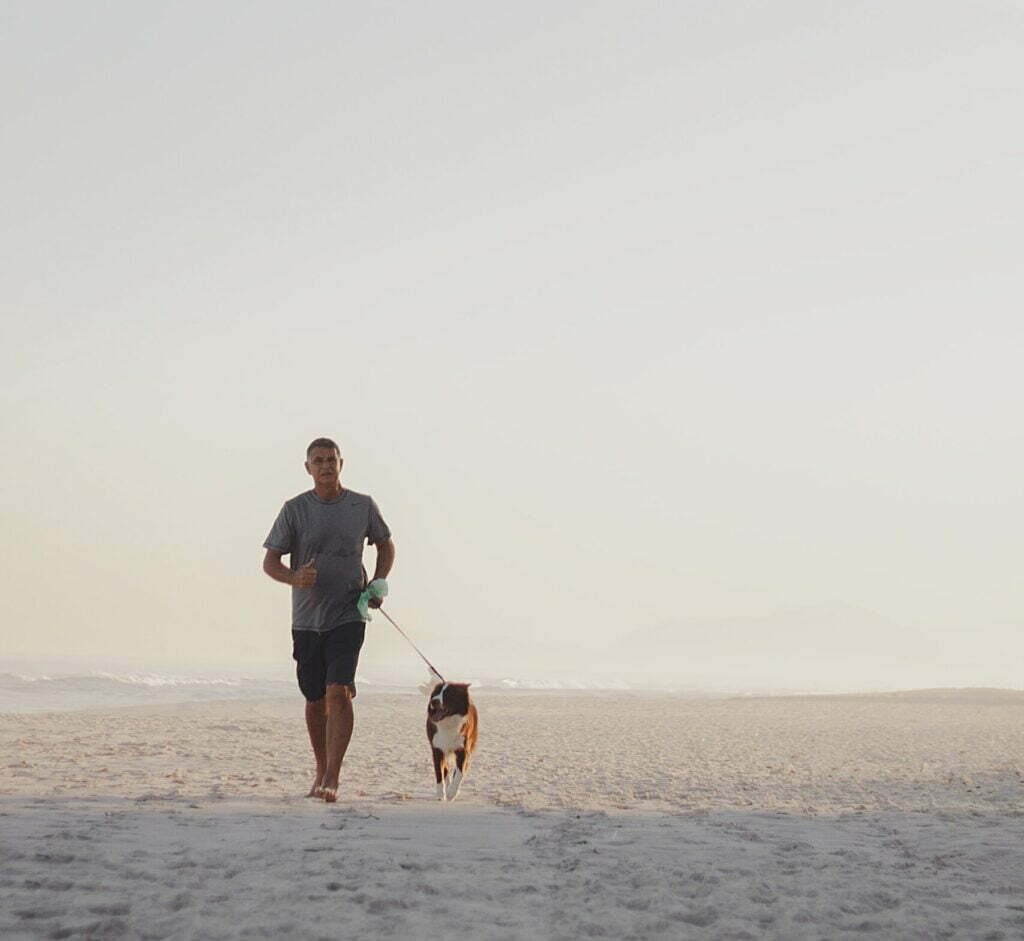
<point>448,736</point>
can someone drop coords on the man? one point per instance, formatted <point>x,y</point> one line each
<point>323,531</point>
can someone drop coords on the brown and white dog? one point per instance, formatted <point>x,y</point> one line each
<point>451,731</point>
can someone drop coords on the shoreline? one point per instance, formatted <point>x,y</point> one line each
<point>160,699</point>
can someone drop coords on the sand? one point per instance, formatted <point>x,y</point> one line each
<point>584,815</point>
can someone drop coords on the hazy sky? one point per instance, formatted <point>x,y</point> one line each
<point>632,317</point>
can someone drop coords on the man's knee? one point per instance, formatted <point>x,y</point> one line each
<point>338,697</point>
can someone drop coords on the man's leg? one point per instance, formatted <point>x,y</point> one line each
<point>310,670</point>
<point>316,723</point>
<point>339,733</point>
<point>341,654</point>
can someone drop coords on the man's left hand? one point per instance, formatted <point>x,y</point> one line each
<point>375,602</point>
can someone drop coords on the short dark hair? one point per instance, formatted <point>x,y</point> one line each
<point>322,443</point>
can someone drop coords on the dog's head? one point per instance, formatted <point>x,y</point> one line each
<point>448,699</point>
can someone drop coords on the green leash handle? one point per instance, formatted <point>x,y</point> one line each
<point>378,588</point>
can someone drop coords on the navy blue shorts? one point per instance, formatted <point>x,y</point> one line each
<point>327,657</point>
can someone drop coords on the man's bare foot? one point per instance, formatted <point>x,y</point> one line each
<point>316,790</point>
<point>329,794</point>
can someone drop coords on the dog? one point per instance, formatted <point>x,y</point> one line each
<point>451,731</point>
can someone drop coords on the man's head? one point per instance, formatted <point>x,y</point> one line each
<point>323,461</point>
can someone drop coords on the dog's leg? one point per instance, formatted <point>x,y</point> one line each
<point>440,772</point>
<point>457,774</point>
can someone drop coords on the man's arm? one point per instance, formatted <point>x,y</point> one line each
<point>385,559</point>
<point>305,577</point>
<point>275,568</point>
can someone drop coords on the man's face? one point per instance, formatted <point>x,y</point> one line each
<point>324,465</point>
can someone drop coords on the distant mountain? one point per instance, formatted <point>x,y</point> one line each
<point>816,629</point>
<point>828,647</point>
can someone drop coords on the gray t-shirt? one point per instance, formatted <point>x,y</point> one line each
<point>333,534</point>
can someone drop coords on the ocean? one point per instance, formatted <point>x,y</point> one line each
<point>64,687</point>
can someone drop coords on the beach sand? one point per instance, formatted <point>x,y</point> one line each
<point>599,815</point>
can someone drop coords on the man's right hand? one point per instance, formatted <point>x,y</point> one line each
<point>305,577</point>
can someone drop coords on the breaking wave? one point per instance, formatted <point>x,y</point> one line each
<point>21,692</point>
<point>554,685</point>
<point>98,689</point>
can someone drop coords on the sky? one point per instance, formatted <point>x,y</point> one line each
<point>676,340</point>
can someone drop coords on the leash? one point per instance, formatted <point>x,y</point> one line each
<point>377,590</point>
<point>433,669</point>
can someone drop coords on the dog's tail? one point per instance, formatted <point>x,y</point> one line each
<point>427,686</point>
